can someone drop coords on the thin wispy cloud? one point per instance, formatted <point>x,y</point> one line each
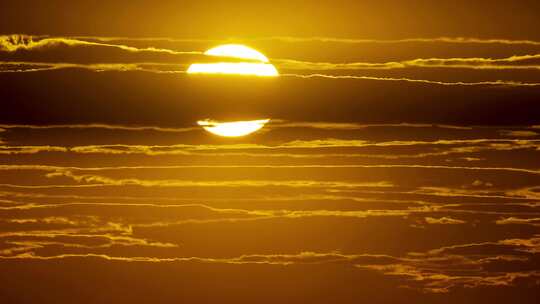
<point>15,43</point>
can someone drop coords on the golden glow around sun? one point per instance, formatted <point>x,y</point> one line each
<point>257,66</point>
<point>232,129</point>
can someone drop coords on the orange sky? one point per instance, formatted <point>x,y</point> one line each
<point>400,163</point>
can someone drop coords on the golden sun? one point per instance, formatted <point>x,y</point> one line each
<point>232,129</point>
<point>258,64</point>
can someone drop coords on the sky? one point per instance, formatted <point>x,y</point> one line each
<point>400,163</point>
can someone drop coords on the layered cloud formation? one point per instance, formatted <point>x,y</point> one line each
<point>385,176</point>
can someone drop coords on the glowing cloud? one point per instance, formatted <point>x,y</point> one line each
<point>232,129</point>
<point>260,67</point>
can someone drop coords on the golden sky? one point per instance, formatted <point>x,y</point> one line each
<point>394,159</point>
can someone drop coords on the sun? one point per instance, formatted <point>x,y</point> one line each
<point>232,129</point>
<point>236,51</point>
<point>255,64</point>
<point>258,64</point>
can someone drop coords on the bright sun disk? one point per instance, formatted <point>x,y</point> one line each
<point>232,129</point>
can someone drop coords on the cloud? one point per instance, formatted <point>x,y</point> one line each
<point>450,40</point>
<point>532,193</point>
<point>84,233</point>
<point>23,67</point>
<point>99,126</point>
<point>300,148</point>
<point>433,273</point>
<point>46,220</point>
<point>531,245</point>
<point>518,133</point>
<point>501,83</point>
<point>519,221</point>
<point>13,43</point>
<point>93,179</point>
<point>24,53</point>
<point>479,183</point>
<point>436,282</point>
<point>18,44</point>
<point>30,149</point>
<point>64,168</point>
<point>277,123</point>
<point>509,63</point>
<point>444,221</point>
<point>470,193</point>
<point>296,39</point>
